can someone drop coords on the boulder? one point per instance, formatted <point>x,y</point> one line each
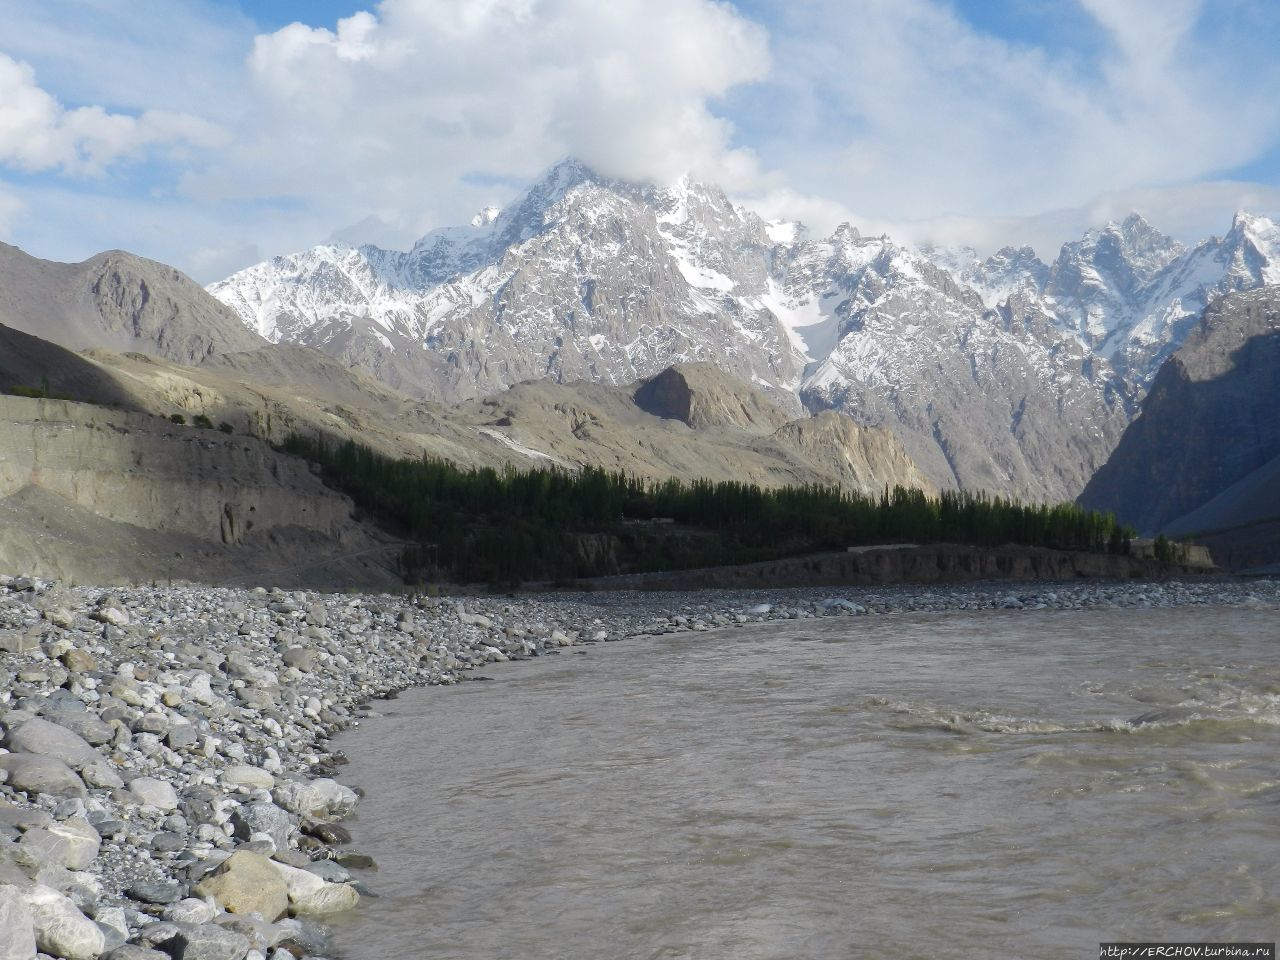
<point>322,799</point>
<point>17,928</point>
<point>47,739</point>
<point>328,870</point>
<point>23,818</point>
<point>60,928</point>
<point>115,928</point>
<point>88,726</point>
<point>13,641</point>
<point>263,818</point>
<point>300,658</point>
<point>72,843</point>
<point>206,941</point>
<point>131,951</point>
<point>190,910</point>
<point>33,774</point>
<point>244,775</point>
<point>77,661</point>
<point>311,896</point>
<point>154,793</point>
<point>101,775</point>
<point>156,891</point>
<point>247,883</point>
<point>181,735</point>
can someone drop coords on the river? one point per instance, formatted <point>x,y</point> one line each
<point>967,785</point>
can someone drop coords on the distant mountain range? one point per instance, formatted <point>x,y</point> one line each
<point>1006,374</point>
<point>667,332</point>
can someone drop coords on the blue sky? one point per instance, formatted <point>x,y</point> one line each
<point>215,134</point>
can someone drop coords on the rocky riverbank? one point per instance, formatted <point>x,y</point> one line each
<point>165,788</point>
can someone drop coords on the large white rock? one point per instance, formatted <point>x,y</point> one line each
<point>72,843</point>
<point>322,799</point>
<point>154,793</point>
<point>244,775</point>
<point>191,910</point>
<point>61,929</point>
<point>311,896</point>
<point>35,774</point>
<point>17,929</point>
<point>51,740</point>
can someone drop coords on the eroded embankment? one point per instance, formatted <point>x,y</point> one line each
<point>104,496</point>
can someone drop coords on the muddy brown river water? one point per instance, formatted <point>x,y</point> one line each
<point>986,785</point>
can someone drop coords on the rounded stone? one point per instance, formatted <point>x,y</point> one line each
<point>33,774</point>
<point>247,883</point>
<point>60,928</point>
<point>154,793</point>
<point>17,928</point>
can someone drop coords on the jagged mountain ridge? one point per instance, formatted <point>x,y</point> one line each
<point>1209,421</point>
<point>1126,291</point>
<point>1005,374</point>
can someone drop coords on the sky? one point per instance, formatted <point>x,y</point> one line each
<point>212,135</point>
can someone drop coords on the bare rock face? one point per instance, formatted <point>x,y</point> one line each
<point>27,361</point>
<point>143,471</point>
<point>702,396</point>
<point>117,300</point>
<point>866,459</point>
<point>1209,421</point>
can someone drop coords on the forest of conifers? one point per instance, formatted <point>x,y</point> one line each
<point>484,525</point>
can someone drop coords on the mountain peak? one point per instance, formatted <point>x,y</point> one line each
<point>1245,222</point>
<point>1135,221</point>
<point>526,216</point>
<point>1134,231</point>
<point>562,176</point>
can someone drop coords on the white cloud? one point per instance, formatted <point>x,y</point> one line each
<point>897,115</point>
<point>395,110</point>
<point>37,133</point>
<point>1187,212</point>
<point>222,259</point>
<point>908,112</point>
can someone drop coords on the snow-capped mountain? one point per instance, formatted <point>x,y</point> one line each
<point>1127,292</point>
<point>1004,374</point>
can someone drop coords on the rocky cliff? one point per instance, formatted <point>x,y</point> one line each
<point>700,395</point>
<point>1209,421</point>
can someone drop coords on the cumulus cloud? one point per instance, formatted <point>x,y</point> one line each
<point>898,115</point>
<point>37,133</point>
<point>403,107</point>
